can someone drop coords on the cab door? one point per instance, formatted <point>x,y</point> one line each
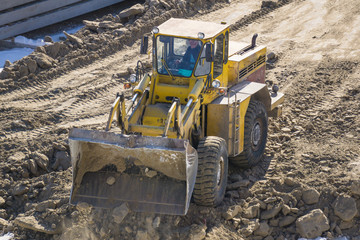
<point>220,58</point>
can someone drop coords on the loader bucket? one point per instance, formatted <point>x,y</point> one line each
<point>110,169</point>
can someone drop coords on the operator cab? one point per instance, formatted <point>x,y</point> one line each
<point>181,50</point>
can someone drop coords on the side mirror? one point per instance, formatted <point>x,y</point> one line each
<point>209,54</point>
<point>144,45</point>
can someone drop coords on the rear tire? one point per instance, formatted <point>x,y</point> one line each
<point>212,171</point>
<point>255,135</point>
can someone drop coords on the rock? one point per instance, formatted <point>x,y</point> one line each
<point>2,202</point>
<point>310,196</point>
<point>6,73</point>
<point>43,206</point>
<point>286,221</point>
<point>134,10</point>
<point>7,63</point>
<point>142,235</point>
<point>355,187</point>
<point>3,224</point>
<point>73,39</point>
<point>48,39</point>
<point>121,31</point>
<point>252,211</point>
<point>239,184</point>
<point>30,222</point>
<point>346,225</point>
<point>120,213</point>
<point>285,210</point>
<point>44,61</point>
<point>250,225</point>
<point>41,160</point>
<point>313,224</point>
<point>62,159</point>
<point>345,207</point>
<point>197,232</point>
<point>272,212</point>
<point>32,65</point>
<point>290,181</point>
<point>40,49</point>
<point>20,189</point>
<point>235,177</point>
<point>110,180</point>
<point>156,222</point>
<point>110,25</point>
<point>18,156</point>
<point>3,214</point>
<point>231,212</point>
<point>91,25</point>
<point>150,173</point>
<point>263,230</point>
<point>53,49</point>
<point>286,130</point>
<point>32,166</point>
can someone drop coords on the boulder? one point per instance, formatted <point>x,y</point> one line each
<point>62,161</point>
<point>231,212</point>
<point>30,222</point>
<point>18,156</point>
<point>345,207</point>
<point>239,184</point>
<point>310,196</point>
<point>197,232</point>
<point>267,214</point>
<point>73,39</point>
<point>32,166</point>
<point>43,206</point>
<point>32,65</point>
<point>24,70</point>
<point>252,211</point>
<point>313,224</point>
<point>286,221</point>
<point>20,189</point>
<point>132,11</point>
<point>44,61</point>
<point>48,39</point>
<point>249,226</point>
<point>263,230</point>
<point>41,160</point>
<point>2,201</point>
<point>120,213</point>
<point>3,224</point>
<point>355,187</point>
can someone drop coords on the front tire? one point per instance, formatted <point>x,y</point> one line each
<point>212,171</point>
<point>255,135</point>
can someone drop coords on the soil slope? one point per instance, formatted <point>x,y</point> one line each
<point>308,184</point>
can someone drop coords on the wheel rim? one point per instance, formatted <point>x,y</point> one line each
<point>219,171</point>
<point>256,135</point>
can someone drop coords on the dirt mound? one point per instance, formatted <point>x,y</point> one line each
<point>307,186</point>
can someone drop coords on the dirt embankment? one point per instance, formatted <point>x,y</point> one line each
<point>308,184</point>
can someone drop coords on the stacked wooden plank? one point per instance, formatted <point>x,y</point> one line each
<point>20,16</point>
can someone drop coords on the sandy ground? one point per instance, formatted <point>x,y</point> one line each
<point>312,159</point>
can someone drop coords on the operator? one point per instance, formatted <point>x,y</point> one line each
<point>190,56</point>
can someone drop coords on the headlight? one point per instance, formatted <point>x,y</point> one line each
<point>216,83</point>
<point>201,35</point>
<point>132,78</point>
<point>155,30</point>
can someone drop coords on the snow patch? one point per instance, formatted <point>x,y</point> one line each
<point>7,236</point>
<point>14,54</point>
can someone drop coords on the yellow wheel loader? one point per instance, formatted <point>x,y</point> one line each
<point>205,103</point>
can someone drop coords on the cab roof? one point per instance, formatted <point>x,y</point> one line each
<point>190,28</point>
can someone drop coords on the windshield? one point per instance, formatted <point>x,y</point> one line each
<point>177,56</point>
